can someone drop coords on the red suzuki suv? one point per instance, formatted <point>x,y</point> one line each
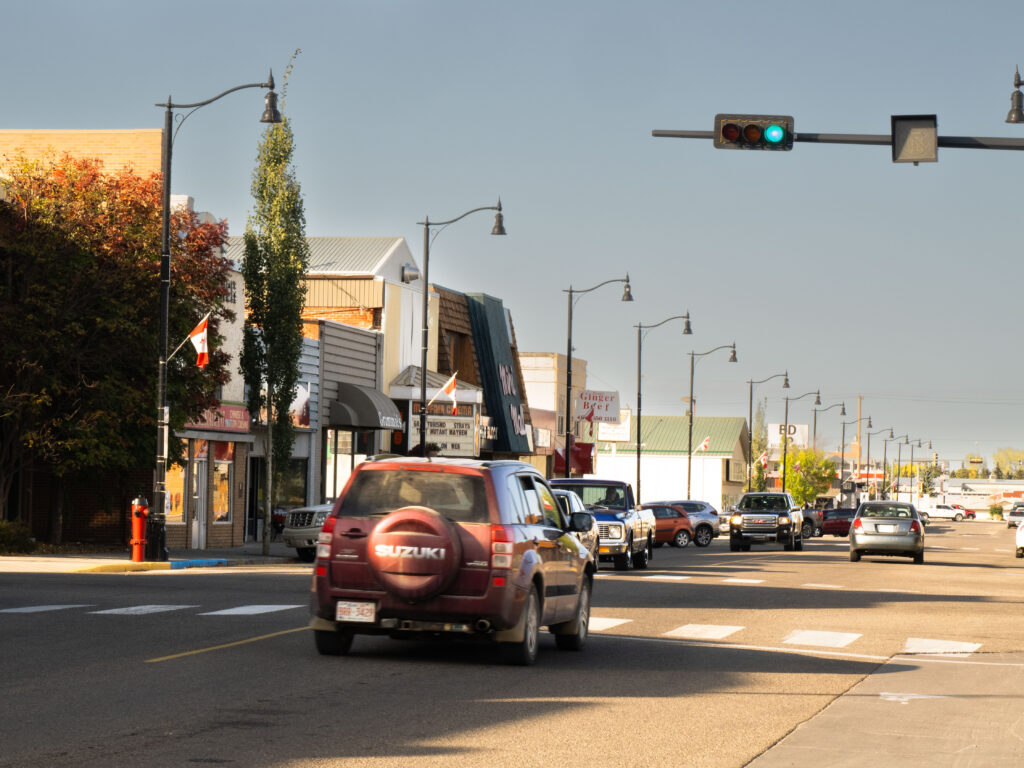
<point>449,547</point>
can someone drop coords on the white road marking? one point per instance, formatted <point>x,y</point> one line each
<point>667,577</point>
<point>971,549</point>
<point>823,586</point>
<point>703,631</point>
<point>597,624</point>
<point>822,639</point>
<point>251,610</point>
<point>941,647</point>
<point>138,610</point>
<point>899,591</point>
<point>903,698</point>
<point>43,608</point>
<point>743,581</point>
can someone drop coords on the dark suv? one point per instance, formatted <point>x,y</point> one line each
<point>449,547</point>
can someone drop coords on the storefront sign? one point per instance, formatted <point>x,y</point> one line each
<point>598,406</point>
<point>798,434</point>
<point>454,436</point>
<point>223,418</point>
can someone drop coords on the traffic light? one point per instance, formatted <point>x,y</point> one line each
<point>753,132</point>
<point>935,458</point>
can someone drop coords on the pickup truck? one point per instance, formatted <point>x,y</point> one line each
<point>626,531</point>
<point>766,517</point>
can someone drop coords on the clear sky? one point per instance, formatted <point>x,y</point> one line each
<point>900,284</point>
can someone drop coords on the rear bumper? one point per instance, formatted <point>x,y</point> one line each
<point>883,543</point>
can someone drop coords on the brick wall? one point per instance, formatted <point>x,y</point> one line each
<point>138,150</point>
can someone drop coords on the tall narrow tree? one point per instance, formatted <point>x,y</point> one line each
<point>276,260</point>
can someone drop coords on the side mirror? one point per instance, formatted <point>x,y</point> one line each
<point>581,522</point>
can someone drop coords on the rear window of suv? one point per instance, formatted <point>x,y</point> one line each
<point>459,497</point>
<point>764,503</point>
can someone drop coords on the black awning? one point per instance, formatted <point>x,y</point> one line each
<point>359,407</point>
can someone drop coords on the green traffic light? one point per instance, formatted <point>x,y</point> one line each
<point>774,134</point>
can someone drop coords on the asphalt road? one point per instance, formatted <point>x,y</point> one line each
<point>708,658</point>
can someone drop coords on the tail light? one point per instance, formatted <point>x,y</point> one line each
<point>502,547</point>
<point>857,524</point>
<point>915,526</point>
<point>323,539</point>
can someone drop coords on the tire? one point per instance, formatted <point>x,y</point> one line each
<point>744,547</point>
<point>524,652</point>
<point>734,546</point>
<point>790,544</point>
<point>807,530</point>
<point>681,539</point>
<point>643,558</point>
<point>703,536</point>
<point>577,629</point>
<point>819,532</point>
<point>924,516</point>
<point>854,556</point>
<point>624,561</point>
<point>333,643</point>
<point>958,517</point>
<point>306,554</point>
<point>1020,551</point>
<point>798,545</point>
<point>919,558</point>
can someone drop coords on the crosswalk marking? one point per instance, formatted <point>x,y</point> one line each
<point>42,608</point>
<point>823,586</point>
<point>703,631</point>
<point>821,639</point>
<point>598,624</point>
<point>743,581</point>
<point>944,647</point>
<point>666,577</point>
<point>139,610</point>
<point>251,610</point>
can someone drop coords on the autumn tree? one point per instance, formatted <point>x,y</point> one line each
<point>79,277</point>
<point>276,260</point>
<point>808,475</point>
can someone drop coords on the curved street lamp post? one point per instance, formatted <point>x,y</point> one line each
<point>814,433</point>
<point>750,422</point>
<point>689,445</point>
<point>785,430</point>
<point>640,328</point>
<point>627,295</point>
<point>868,459</point>
<point>842,451</point>
<point>156,531</point>
<point>913,469</point>
<point>499,229</point>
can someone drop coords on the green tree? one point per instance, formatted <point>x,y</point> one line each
<point>928,474</point>
<point>79,259</point>
<point>808,474</point>
<point>1008,461</point>
<point>276,261</point>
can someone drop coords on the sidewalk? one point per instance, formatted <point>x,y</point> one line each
<point>250,553</point>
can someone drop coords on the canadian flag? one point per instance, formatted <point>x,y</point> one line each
<point>704,444</point>
<point>198,339</point>
<point>763,458</point>
<point>449,389</point>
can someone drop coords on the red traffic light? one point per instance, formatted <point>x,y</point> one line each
<point>753,132</point>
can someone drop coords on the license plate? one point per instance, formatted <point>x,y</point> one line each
<point>886,528</point>
<point>347,610</point>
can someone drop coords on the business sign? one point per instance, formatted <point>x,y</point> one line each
<point>598,406</point>
<point>616,433</point>
<point>454,435</point>
<point>798,434</point>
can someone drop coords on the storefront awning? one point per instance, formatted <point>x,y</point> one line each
<point>359,407</point>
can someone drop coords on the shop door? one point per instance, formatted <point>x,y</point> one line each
<point>199,504</point>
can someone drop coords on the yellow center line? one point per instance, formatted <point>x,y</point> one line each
<point>226,645</point>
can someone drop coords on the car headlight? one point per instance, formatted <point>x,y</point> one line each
<point>615,531</point>
<point>320,517</point>
<point>736,520</point>
<point>783,520</point>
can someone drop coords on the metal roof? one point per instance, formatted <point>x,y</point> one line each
<point>670,435</point>
<point>336,255</point>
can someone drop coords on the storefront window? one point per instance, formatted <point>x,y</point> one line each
<point>175,485</point>
<point>291,488</point>
<point>221,491</point>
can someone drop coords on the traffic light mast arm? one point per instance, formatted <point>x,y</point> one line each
<point>882,139</point>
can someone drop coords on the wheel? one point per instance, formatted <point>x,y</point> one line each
<point>576,630</point>
<point>306,554</point>
<point>790,544</point>
<point>624,561</point>
<point>854,556</point>
<point>918,558</point>
<point>958,517</point>
<point>643,557</point>
<point>1020,551</point>
<point>333,643</point>
<point>744,547</point>
<point>524,652</point>
<point>807,530</point>
<point>798,545</point>
<point>681,539</point>
<point>734,546</point>
<point>703,535</point>
<point>819,532</point>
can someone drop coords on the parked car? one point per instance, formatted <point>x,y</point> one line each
<point>627,531</point>
<point>1015,515</point>
<point>451,547</point>
<point>941,511</point>
<point>765,517</point>
<point>837,521</point>
<point>572,504</point>
<point>703,518</point>
<point>968,513</point>
<point>1020,540</point>
<point>814,522</point>
<point>887,528</point>
<point>672,525</point>
<point>302,528</point>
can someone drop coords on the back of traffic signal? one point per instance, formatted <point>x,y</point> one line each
<point>771,132</point>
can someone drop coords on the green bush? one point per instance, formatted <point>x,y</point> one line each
<point>995,512</point>
<point>15,539</point>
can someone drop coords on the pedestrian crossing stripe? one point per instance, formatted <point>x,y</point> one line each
<point>743,581</point>
<point>921,645</point>
<point>139,610</point>
<point>820,639</point>
<point>666,577</point>
<point>599,625</point>
<point>43,608</point>
<point>251,610</point>
<point>703,631</point>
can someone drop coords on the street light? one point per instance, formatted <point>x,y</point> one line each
<point>899,460</point>
<point>1016,113</point>
<point>499,229</point>
<point>814,433</point>
<point>750,423</point>
<point>689,447</point>
<point>640,328</point>
<point>868,460</point>
<point>842,451</point>
<point>785,430</point>
<point>156,531</point>
<point>913,469</point>
<point>627,295</point>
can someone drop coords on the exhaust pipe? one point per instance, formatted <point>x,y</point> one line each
<point>482,625</point>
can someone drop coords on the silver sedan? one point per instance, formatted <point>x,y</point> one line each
<point>887,528</point>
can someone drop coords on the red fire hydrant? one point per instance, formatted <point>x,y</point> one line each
<point>140,511</point>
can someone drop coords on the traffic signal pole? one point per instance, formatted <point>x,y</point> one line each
<point>881,139</point>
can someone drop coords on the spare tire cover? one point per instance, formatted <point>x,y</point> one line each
<point>414,553</point>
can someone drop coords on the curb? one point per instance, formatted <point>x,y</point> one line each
<point>131,566</point>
